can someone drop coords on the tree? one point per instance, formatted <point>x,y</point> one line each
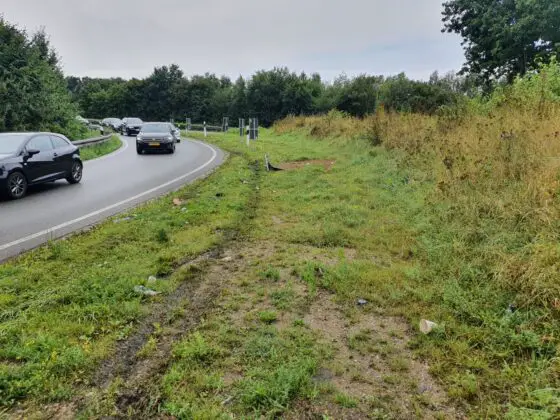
<point>33,92</point>
<point>401,94</point>
<point>359,96</point>
<point>504,38</point>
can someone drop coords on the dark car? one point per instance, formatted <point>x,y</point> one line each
<point>34,158</point>
<point>156,136</point>
<point>114,123</point>
<point>176,133</point>
<point>131,126</point>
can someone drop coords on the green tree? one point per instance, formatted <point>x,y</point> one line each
<point>359,96</point>
<point>33,92</point>
<point>504,38</point>
<point>401,94</point>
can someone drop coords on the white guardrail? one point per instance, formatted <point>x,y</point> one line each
<point>94,140</point>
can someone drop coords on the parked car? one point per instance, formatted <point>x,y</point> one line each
<point>114,123</point>
<point>34,158</point>
<point>176,133</point>
<point>156,136</point>
<point>96,127</point>
<point>131,126</point>
<point>82,120</point>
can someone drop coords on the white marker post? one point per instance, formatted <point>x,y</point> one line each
<point>205,132</point>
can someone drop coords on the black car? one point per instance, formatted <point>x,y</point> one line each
<point>35,158</point>
<point>156,136</point>
<point>131,126</point>
<point>114,123</point>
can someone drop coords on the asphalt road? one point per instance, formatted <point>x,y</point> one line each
<point>110,185</point>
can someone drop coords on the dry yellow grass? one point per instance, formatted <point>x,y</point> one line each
<point>504,164</point>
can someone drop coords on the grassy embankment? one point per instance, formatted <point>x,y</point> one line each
<point>451,218</point>
<point>102,149</point>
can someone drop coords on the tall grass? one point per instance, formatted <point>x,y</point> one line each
<point>497,157</point>
<point>488,238</point>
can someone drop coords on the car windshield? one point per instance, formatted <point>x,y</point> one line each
<point>134,121</point>
<point>155,128</point>
<point>9,143</point>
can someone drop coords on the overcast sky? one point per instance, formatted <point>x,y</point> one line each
<point>128,38</point>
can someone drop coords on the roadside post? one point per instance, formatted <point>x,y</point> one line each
<point>241,126</point>
<point>249,132</point>
<point>205,132</point>
<point>225,124</point>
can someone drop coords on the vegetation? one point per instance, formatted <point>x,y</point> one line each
<point>262,294</point>
<point>504,38</point>
<point>101,149</point>
<point>448,217</point>
<point>33,93</point>
<point>64,307</point>
<point>268,95</point>
<point>486,236</point>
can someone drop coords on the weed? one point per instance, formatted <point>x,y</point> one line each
<point>148,349</point>
<point>345,401</point>
<point>268,317</point>
<point>162,236</point>
<point>271,273</point>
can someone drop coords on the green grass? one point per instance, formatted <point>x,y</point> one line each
<point>371,228</point>
<point>102,149</point>
<point>419,255</point>
<point>63,306</point>
<point>276,368</point>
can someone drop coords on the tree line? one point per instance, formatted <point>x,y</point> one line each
<point>269,95</point>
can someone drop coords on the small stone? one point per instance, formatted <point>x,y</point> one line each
<point>152,279</point>
<point>184,209</point>
<point>124,219</point>
<point>362,302</point>
<point>227,259</point>
<point>142,290</point>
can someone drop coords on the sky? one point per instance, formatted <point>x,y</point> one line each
<point>128,38</point>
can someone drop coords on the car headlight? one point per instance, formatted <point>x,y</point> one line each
<point>139,137</point>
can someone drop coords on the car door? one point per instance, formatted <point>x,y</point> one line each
<point>63,152</point>
<point>40,167</point>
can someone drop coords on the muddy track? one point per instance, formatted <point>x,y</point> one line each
<point>205,277</point>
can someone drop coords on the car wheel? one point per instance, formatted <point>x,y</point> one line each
<point>17,185</point>
<point>75,173</point>
<point>172,150</point>
<point>139,150</point>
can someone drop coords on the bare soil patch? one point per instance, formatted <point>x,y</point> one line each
<point>372,365</point>
<point>290,166</point>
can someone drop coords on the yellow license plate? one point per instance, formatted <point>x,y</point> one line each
<point>154,144</point>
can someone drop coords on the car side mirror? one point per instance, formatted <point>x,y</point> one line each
<point>32,152</point>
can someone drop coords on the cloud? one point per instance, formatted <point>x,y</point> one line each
<point>127,38</point>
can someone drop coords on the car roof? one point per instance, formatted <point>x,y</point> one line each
<point>30,133</point>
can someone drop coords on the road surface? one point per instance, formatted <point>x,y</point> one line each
<point>110,185</point>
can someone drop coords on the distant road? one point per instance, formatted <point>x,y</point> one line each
<point>110,185</point>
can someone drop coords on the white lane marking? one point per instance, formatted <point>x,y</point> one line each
<point>112,206</point>
<point>121,149</point>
